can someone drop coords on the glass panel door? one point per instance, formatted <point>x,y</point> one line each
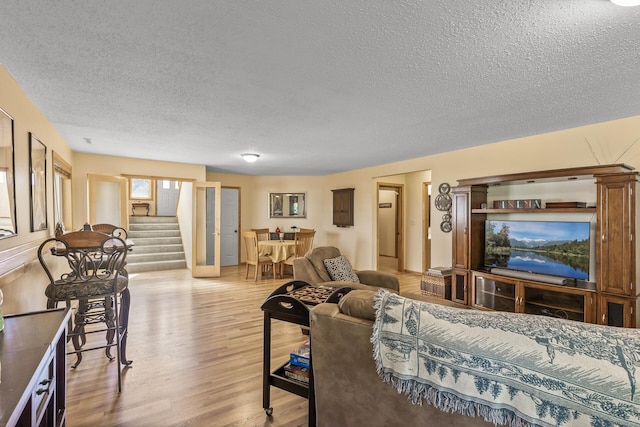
<point>206,229</point>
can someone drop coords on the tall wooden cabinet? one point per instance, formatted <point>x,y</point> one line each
<point>468,237</point>
<point>343,207</point>
<point>614,297</point>
<point>617,271</point>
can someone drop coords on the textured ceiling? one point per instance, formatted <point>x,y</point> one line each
<point>318,86</point>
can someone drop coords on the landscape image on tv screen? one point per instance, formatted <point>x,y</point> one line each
<point>545,247</point>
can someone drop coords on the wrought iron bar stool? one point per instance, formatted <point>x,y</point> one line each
<point>98,281</point>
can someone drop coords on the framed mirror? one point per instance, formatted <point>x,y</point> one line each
<point>38,169</point>
<point>7,183</point>
<point>287,205</point>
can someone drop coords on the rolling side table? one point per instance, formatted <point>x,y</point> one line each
<point>291,302</point>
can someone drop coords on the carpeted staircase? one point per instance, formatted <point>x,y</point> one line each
<point>157,244</point>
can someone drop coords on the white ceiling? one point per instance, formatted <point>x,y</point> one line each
<point>318,86</point>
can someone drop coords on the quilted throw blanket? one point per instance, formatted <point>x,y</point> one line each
<point>512,369</point>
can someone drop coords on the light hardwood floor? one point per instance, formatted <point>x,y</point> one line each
<point>196,346</point>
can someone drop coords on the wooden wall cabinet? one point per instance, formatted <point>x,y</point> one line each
<point>343,207</point>
<point>615,297</point>
<point>617,250</point>
<point>615,229</point>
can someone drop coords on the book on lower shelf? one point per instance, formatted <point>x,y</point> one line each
<point>298,373</point>
<point>300,356</point>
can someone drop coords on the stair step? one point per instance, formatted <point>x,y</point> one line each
<point>136,258</point>
<point>156,266</point>
<point>153,226</point>
<point>157,244</point>
<point>152,219</point>
<point>154,249</point>
<point>157,241</point>
<point>153,234</point>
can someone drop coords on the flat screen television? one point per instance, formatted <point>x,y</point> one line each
<point>546,247</point>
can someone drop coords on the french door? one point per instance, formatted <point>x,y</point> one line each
<point>206,229</point>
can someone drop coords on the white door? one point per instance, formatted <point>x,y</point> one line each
<point>229,227</point>
<point>206,229</point>
<point>168,192</point>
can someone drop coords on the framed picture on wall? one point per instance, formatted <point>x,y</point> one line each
<point>38,182</point>
<point>7,183</point>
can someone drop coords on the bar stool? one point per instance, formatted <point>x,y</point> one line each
<point>94,276</point>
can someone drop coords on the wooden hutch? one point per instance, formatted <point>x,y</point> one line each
<point>611,300</point>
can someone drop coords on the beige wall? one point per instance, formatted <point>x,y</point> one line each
<point>21,278</point>
<point>27,118</point>
<point>85,164</point>
<point>603,143</point>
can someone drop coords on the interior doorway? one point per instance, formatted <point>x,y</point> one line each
<point>230,226</point>
<point>390,227</point>
<point>426,225</point>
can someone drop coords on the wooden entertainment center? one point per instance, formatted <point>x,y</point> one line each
<point>611,300</point>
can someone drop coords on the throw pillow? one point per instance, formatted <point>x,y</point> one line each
<point>339,268</point>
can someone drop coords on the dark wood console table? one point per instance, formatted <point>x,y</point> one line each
<point>139,205</point>
<point>34,366</point>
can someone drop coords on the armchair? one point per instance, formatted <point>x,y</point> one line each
<point>311,269</point>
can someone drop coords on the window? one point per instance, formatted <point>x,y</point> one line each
<point>140,188</point>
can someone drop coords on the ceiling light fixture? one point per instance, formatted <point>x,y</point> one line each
<point>626,2</point>
<point>250,157</point>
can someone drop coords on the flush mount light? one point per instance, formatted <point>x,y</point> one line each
<point>250,157</point>
<point>626,2</point>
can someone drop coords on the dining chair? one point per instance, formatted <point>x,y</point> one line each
<point>303,243</point>
<point>93,275</point>
<point>114,230</point>
<point>262,233</point>
<point>306,230</point>
<point>253,255</point>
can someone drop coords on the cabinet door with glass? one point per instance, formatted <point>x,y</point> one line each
<point>494,293</point>
<point>561,302</point>
<point>617,311</point>
<point>459,286</point>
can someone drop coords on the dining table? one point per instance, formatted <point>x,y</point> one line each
<point>277,250</point>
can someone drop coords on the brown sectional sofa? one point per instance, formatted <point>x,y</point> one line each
<point>348,390</point>
<point>512,368</point>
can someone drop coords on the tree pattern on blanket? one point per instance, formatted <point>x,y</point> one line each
<point>614,345</point>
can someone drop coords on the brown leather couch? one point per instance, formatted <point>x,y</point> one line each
<point>348,390</point>
<point>311,269</point>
